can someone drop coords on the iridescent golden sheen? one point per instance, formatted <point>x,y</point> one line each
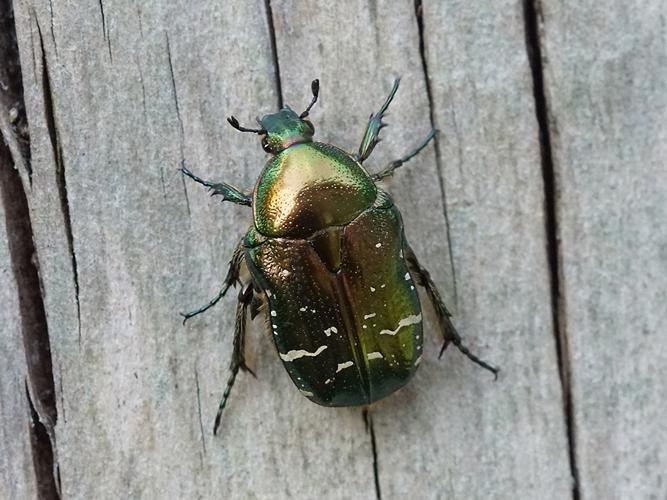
<point>349,337</point>
<point>309,187</point>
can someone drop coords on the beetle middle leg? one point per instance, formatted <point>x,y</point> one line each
<point>389,169</point>
<point>451,336</point>
<point>231,279</point>
<point>228,192</point>
<point>375,124</point>
<point>238,353</point>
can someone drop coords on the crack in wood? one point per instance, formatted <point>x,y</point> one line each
<point>436,142</point>
<point>105,30</point>
<point>274,51</point>
<point>201,423</point>
<point>25,268</point>
<point>532,19</point>
<point>180,123</point>
<point>13,121</point>
<point>368,422</point>
<point>61,180</point>
<point>47,473</point>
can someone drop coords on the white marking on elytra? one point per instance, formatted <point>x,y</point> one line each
<point>342,366</point>
<point>327,381</point>
<point>364,326</point>
<point>303,309</point>
<point>330,330</point>
<point>285,273</point>
<point>400,253</point>
<point>418,360</point>
<point>412,287</point>
<point>300,353</point>
<point>368,316</point>
<point>375,355</point>
<point>407,276</point>
<point>274,313</point>
<point>313,311</point>
<point>378,245</point>
<point>372,289</point>
<point>307,393</point>
<point>413,319</point>
<point>383,286</point>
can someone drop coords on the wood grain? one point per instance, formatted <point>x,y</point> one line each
<point>606,74</point>
<point>119,95</point>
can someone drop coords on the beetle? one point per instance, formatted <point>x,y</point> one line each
<point>329,266</point>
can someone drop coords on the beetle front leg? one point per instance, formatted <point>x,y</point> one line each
<point>228,192</point>
<point>448,331</point>
<point>389,169</point>
<point>231,279</point>
<point>375,124</point>
<point>238,353</point>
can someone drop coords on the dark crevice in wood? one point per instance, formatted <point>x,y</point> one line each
<point>105,31</point>
<point>274,51</point>
<point>24,265</point>
<point>14,122</point>
<point>532,19</point>
<point>368,422</point>
<point>61,180</point>
<point>436,142</point>
<point>48,480</point>
<point>180,123</point>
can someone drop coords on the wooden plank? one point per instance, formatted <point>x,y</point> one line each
<point>606,86</point>
<point>124,99</point>
<point>452,432</point>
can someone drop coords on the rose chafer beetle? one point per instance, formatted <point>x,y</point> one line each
<point>329,265</point>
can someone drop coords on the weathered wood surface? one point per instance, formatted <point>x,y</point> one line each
<point>607,92</point>
<point>119,95</point>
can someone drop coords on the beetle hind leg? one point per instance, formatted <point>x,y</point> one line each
<point>238,353</point>
<point>389,169</point>
<point>451,336</point>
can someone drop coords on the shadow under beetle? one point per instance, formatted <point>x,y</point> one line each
<point>329,262</point>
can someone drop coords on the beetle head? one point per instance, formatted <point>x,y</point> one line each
<point>283,129</point>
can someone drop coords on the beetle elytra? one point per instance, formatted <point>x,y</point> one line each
<point>328,259</point>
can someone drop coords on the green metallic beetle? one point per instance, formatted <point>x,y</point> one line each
<point>329,262</point>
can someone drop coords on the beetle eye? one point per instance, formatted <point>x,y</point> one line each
<point>265,146</point>
<point>310,126</point>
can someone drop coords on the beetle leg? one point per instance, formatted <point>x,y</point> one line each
<point>231,279</point>
<point>448,331</point>
<point>375,124</point>
<point>238,353</point>
<point>228,192</point>
<point>389,169</point>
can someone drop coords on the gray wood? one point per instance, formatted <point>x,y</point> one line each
<point>17,475</point>
<point>452,432</point>
<point>127,92</point>
<point>606,73</point>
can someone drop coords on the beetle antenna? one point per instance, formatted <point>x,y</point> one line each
<point>235,123</point>
<point>315,87</point>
